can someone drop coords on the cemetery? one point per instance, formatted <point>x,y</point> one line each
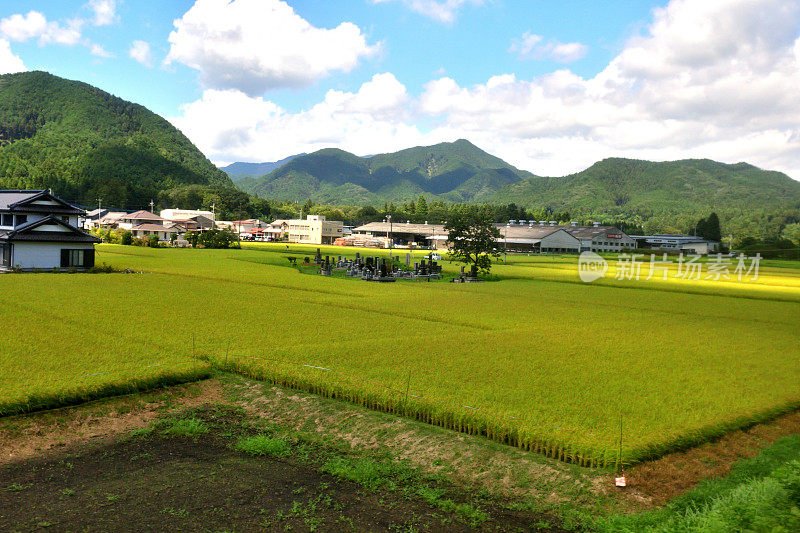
<point>379,269</point>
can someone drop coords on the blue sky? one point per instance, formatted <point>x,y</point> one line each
<point>549,86</point>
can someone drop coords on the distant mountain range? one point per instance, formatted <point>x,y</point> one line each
<point>238,171</point>
<point>669,195</point>
<point>85,144</point>
<point>455,172</point>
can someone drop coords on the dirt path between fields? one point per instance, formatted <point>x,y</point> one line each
<point>656,482</point>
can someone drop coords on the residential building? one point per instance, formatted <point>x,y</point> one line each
<point>313,230</point>
<point>129,221</point>
<point>40,231</point>
<point>195,223</point>
<point>172,214</point>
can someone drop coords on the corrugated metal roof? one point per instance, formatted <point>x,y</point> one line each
<point>401,227</point>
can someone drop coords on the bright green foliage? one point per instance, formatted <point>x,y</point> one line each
<point>184,427</point>
<point>538,360</point>
<point>86,144</point>
<point>472,239</point>
<point>264,445</point>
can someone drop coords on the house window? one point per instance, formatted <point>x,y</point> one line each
<point>21,219</point>
<point>7,220</point>
<point>81,258</point>
<point>5,254</point>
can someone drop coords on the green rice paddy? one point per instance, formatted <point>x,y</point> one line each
<point>537,359</point>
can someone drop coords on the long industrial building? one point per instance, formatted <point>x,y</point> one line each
<point>516,236</point>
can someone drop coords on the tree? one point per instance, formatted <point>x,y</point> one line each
<point>217,238</point>
<point>472,238</point>
<point>792,233</point>
<point>422,208</point>
<point>708,228</point>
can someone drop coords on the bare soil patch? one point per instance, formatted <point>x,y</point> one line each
<point>185,485</point>
<point>34,435</point>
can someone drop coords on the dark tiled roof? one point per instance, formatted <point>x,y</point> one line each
<point>55,236</point>
<point>25,233</point>
<point>17,200</point>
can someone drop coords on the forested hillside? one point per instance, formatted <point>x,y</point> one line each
<point>668,196</point>
<point>85,144</point>
<point>457,172</point>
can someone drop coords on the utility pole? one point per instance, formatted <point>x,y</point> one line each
<point>214,210</point>
<point>99,203</point>
<point>152,205</point>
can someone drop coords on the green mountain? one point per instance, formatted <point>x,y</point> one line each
<point>85,144</point>
<point>457,172</point>
<point>238,171</point>
<point>667,195</point>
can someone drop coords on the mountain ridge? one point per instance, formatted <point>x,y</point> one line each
<point>85,143</point>
<point>661,195</point>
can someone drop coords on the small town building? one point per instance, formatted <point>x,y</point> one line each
<point>516,236</point>
<point>405,234</point>
<point>677,243</point>
<point>40,231</point>
<point>164,233</point>
<point>248,225</point>
<point>597,238</point>
<point>173,214</point>
<point>313,230</point>
<point>195,223</point>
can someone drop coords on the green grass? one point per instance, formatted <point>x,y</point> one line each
<point>264,445</point>
<point>183,427</point>
<point>538,360</point>
<point>760,494</point>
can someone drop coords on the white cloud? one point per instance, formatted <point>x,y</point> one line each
<point>715,79</point>
<point>34,25</point>
<point>246,128</point>
<point>710,79</point>
<point>140,51</point>
<point>256,45</point>
<point>441,10</point>
<point>99,51</point>
<point>104,11</point>
<point>532,46</point>
<point>9,63</point>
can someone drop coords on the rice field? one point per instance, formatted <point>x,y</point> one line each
<point>538,359</point>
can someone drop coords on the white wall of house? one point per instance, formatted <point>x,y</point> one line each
<point>45,255</point>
